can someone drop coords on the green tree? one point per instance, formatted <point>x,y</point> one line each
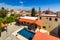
<point>10,19</point>
<point>33,12</point>
<point>0,27</point>
<point>0,30</point>
<point>3,13</point>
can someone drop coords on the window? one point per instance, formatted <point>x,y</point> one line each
<point>44,27</point>
<point>56,19</point>
<point>50,19</point>
<point>40,18</point>
<point>47,18</point>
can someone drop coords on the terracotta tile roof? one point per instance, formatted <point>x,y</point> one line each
<point>22,12</point>
<point>26,20</point>
<point>30,21</point>
<point>37,22</point>
<point>42,36</point>
<point>4,25</point>
<point>22,20</point>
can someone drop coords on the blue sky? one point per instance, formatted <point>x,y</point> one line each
<point>54,5</point>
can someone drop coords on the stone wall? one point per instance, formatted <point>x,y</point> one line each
<point>49,24</point>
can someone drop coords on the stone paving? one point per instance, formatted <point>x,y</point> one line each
<point>7,35</point>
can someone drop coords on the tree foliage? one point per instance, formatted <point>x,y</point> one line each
<point>10,19</point>
<point>33,12</point>
<point>0,28</point>
<point>0,24</point>
<point>6,20</point>
<point>3,13</point>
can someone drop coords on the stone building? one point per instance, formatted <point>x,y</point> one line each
<point>50,20</point>
<point>58,14</point>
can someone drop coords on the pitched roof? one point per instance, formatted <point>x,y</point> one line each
<point>37,22</point>
<point>4,25</point>
<point>42,36</point>
<point>26,20</point>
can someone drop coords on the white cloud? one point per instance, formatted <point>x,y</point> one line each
<point>52,7</point>
<point>14,7</point>
<point>21,2</point>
